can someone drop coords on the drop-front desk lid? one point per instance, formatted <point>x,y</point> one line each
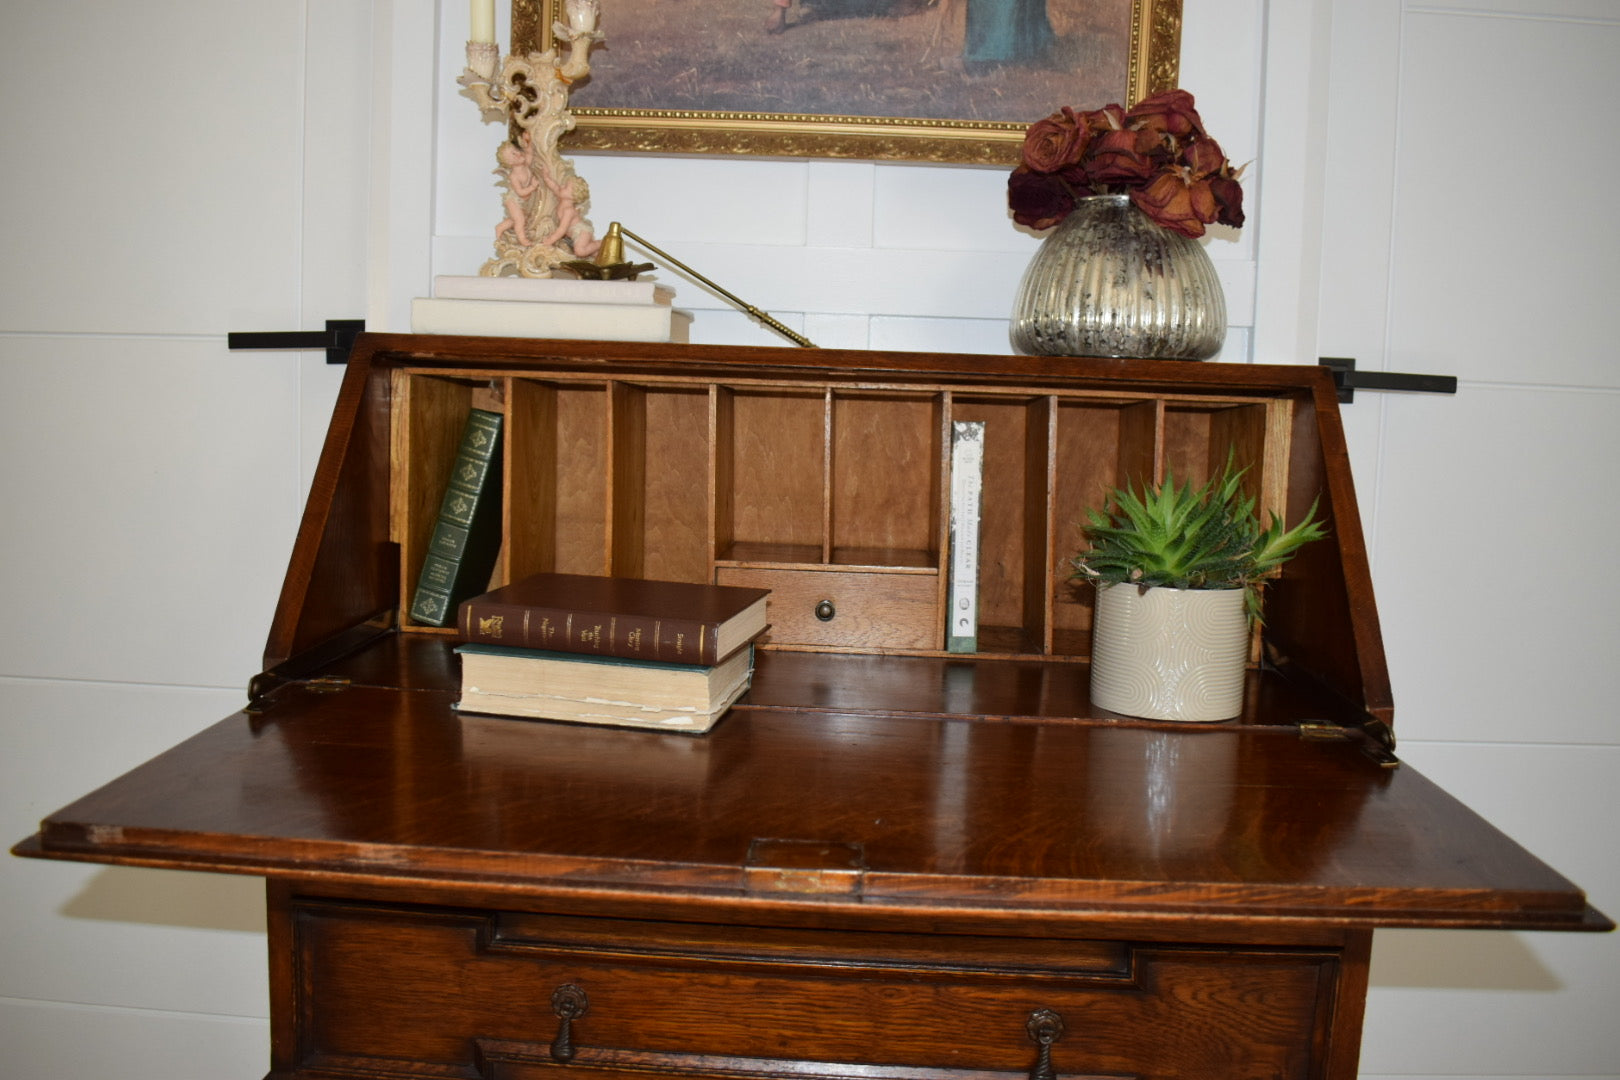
<point>793,808</point>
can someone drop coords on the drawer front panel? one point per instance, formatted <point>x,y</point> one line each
<point>442,993</point>
<point>864,610</point>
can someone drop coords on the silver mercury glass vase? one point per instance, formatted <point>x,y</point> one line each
<point>1109,281</point>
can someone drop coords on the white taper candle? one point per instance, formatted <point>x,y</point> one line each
<point>482,19</point>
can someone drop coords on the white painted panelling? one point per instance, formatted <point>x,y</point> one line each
<point>1491,645</point>
<point>673,202</point>
<point>160,494</point>
<point>467,198</point>
<point>404,94</point>
<point>1221,62</point>
<point>1222,58</point>
<point>337,118</point>
<point>1596,10</point>
<point>839,331</point>
<point>1492,506</point>
<point>114,936</point>
<point>1283,200</point>
<point>958,208</point>
<point>727,326</point>
<point>51,1041</point>
<point>146,939</point>
<point>337,147</point>
<point>173,171</point>
<point>1514,285</point>
<point>940,335</point>
<point>1359,181</point>
<point>836,281</point>
<point>840,203</point>
<point>1522,1004</point>
<point>1237,350</point>
<point>131,130</point>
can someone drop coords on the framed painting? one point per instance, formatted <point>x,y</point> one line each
<point>908,80</point>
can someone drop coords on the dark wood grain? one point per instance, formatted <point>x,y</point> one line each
<point>344,568</point>
<point>989,689</point>
<point>473,985</point>
<point>1078,819</point>
<point>599,486</point>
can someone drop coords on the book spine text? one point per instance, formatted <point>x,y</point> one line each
<point>466,537</point>
<point>629,637</point>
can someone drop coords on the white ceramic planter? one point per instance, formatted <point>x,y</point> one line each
<point>1169,654</point>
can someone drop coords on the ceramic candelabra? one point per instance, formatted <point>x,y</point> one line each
<point>545,201</point>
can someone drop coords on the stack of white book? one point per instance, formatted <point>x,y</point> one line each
<point>550,308</point>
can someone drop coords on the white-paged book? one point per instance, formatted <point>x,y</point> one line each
<point>551,290</point>
<point>585,322</point>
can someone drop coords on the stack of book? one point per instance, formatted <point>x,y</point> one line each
<point>550,308</point>
<point>625,652</point>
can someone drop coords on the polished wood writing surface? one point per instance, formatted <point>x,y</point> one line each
<point>381,784</point>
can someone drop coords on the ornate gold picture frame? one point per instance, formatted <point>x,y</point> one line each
<point>906,80</point>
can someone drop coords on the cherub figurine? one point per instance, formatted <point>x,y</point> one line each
<point>521,184</point>
<point>573,228</point>
<point>545,224</point>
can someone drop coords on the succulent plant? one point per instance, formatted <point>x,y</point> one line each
<point>1185,537</point>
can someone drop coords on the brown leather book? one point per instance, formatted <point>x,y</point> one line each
<point>674,622</point>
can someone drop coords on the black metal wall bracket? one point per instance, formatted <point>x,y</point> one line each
<point>1349,380</point>
<point>337,339</point>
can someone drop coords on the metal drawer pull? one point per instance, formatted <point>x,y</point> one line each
<point>569,1002</point>
<point>1045,1028</point>
<point>825,611</point>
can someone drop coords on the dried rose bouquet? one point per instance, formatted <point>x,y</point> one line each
<point>1156,152</point>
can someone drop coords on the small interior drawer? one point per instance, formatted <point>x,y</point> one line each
<point>849,609</point>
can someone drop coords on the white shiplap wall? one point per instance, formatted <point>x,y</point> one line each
<point>1427,195</point>
<point>172,171</point>
<point>1489,513</point>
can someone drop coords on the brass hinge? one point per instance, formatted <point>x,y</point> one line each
<point>1381,751</point>
<point>265,685</point>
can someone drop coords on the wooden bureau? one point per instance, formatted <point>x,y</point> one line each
<point>890,861</point>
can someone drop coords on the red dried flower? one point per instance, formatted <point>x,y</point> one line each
<point>1121,157</point>
<point>1229,198</point>
<point>1178,202</point>
<point>1038,200</point>
<point>1157,152</point>
<point>1055,142</point>
<point>1170,112</point>
<point>1203,158</point>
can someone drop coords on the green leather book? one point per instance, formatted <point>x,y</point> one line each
<point>467,535</point>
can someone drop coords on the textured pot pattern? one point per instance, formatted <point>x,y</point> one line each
<point>1107,281</point>
<point>1169,654</point>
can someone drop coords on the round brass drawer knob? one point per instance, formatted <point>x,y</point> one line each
<point>825,611</point>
